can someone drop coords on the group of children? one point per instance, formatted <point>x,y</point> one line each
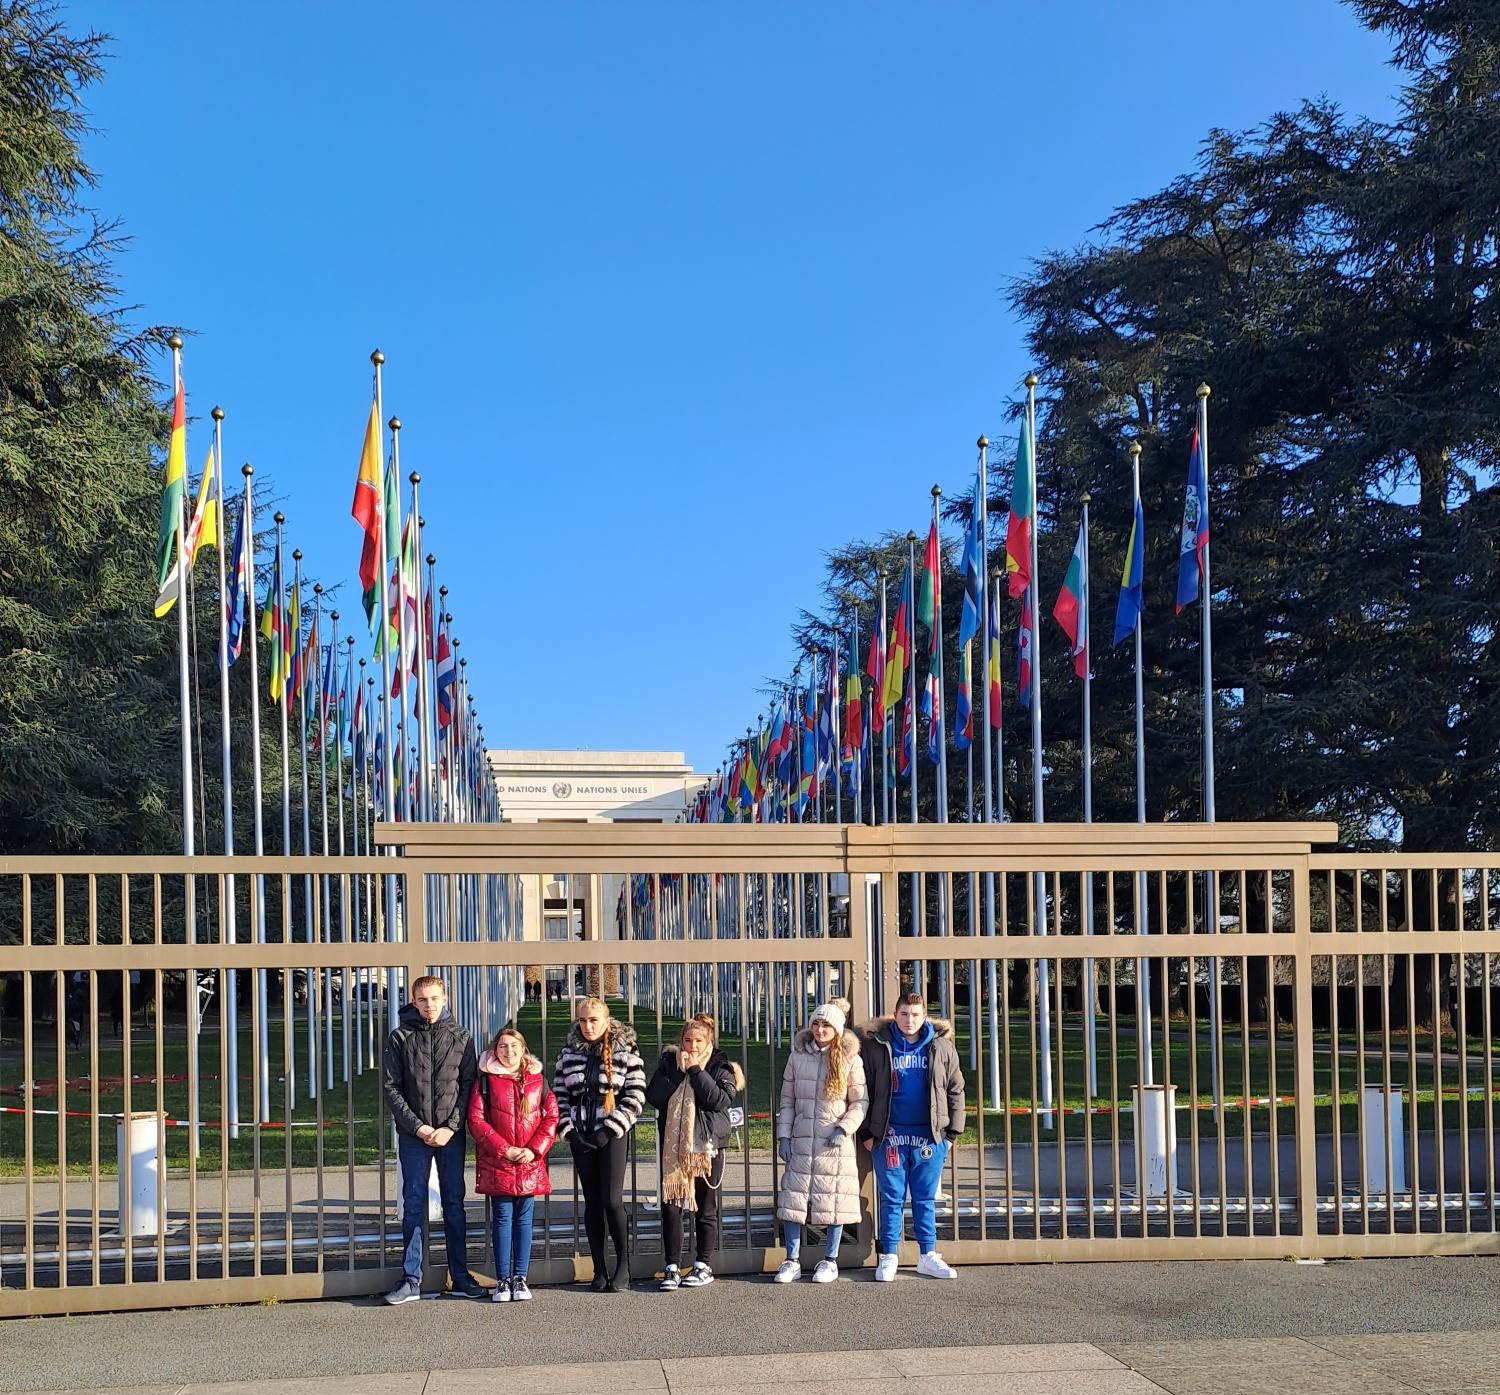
<point>896,1089</point>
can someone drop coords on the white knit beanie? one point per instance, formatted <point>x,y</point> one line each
<point>832,1014</point>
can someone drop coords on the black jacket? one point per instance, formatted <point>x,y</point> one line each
<point>714,1089</point>
<point>945,1086</point>
<point>428,1070</point>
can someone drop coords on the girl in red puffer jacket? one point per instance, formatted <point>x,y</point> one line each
<point>513,1118</point>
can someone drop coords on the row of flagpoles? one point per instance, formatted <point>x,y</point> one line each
<point>414,746</point>
<point>809,759</point>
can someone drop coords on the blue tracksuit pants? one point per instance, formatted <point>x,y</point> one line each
<point>900,1169</point>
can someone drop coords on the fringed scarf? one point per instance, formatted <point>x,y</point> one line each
<point>684,1156</point>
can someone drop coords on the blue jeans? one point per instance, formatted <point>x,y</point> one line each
<point>510,1234</point>
<point>899,1168</point>
<point>791,1232</point>
<point>416,1164</point>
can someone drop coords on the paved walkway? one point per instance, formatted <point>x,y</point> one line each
<point>1353,1328</point>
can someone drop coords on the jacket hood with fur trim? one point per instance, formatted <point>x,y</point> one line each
<point>941,1027</point>
<point>489,1064</point>
<point>621,1037</point>
<point>803,1041</point>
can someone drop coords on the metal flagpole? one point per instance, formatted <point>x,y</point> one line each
<point>402,680</point>
<point>338,799</point>
<point>420,712</point>
<point>309,899</point>
<point>836,744</point>
<point>388,801</point>
<point>885,742</point>
<point>229,1007</point>
<point>1211,901</point>
<point>939,715</point>
<point>1143,901</point>
<point>320,708</point>
<point>982,503</point>
<point>263,1102</point>
<point>1039,924</point>
<point>283,703</point>
<point>918,890</point>
<point>995,812</point>
<point>1090,994</point>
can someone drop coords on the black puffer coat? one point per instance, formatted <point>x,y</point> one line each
<point>714,1089</point>
<point>428,1069</point>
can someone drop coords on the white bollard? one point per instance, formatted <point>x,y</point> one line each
<point>139,1137</point>
<point>1383,1111</point>
<point>1156,1118</point>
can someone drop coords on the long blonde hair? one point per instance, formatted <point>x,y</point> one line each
<point>609,1055</point>
<point>837,1079</point>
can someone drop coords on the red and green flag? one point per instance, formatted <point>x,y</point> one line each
<point>1018,525</point>
<point>1072,608</point>
<point>369,515</point>
<point>173,491</point>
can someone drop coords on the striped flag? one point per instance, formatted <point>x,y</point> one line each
<point>234,593</point>
<point>1072,608</point>
<point>173,489</point>
<point>367,513</point>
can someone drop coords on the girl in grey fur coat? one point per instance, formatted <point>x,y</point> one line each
<point>823,1103</point>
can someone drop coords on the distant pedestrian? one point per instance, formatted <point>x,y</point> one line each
<point>916,1086</point>
<point>823,1103</point>
<point>600,1082</point>
<point>428,1072</point>
<point>693,1090</point>
<point>513,1117</point>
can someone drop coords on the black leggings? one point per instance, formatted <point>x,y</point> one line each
<point>601,1177</point>
<point>706,1194</point>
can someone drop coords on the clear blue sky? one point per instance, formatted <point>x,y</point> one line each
<point>674,297</point>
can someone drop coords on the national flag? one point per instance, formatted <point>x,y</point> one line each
<point>779,751</point>
<point>827,706</point>
<point>749,776</point>
<point>929,612</point>
<point>963,721</point>
<point>875,669</point>
<point>1192,553</point>
<point>234,592</point>
<point>1072,608</point>
<point>272,626</point>
<point>992,701</point>
<point>368,514</point>
<point>930,601</point>
<point>854,721</point>
<point>899,651</point>
<point>357,729</point>
<point>1132,592</point>
<point>447,675</point>
<point>907,748</point>
<point>1018,526</point>
<point>173,488</point>
<point>968,628</point>
<point>328,687</point>
<point>808,779</point>
<point>1023,652</point>
<point>296,658</point>
<point>203,530</point>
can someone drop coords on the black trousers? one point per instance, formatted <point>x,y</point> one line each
<point>601,1179</point>
<point>706,1194</point>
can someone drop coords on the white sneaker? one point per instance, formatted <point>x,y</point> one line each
<point>790,1271</point>
<point>826,1272</point>
<point>885,1269</point>
<point>502,1291</point>
<point>935,1266</point>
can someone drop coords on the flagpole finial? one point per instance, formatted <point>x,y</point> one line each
<point>431,560</point>
<point>1085,498</point>
<point>296,554</point>
<point>415,478</point>
<point>1204,389</point>
<point>911,537</point>
<point>362,662</point>
<point>937,491</point>
<point>1133,449</point>
<point>247,470</point>
<point>983,442</point>
<point>278,518</point>
<point>217,414</point>
<point>377,358</point>
<point>1032,380</point>
<point>317,588</point>
<point>174,341</point>
<point>333,615</point>
<point>394,423</point>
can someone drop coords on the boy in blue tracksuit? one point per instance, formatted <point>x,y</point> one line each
<point>916,1088</point>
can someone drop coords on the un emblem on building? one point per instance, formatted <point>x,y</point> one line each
<point>562,789</point>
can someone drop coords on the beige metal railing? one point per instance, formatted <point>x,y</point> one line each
<point>1219,1085</point>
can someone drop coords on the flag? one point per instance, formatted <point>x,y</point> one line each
<point>203,531</point>
<point>779,751</point>
<point>446,677</point>
<point>968,628</point>
<point>234,593</point>
<point>929,612</point>
<point>1072,608</point>
<point>367,513</point>
<point>1018,525</point>
<point>272,624</point>
<point>328,688</point>
<point>1132,592</point>
<point>808,780</point>
<point>357,728</point>
<point>875,669</point>
<point>963,721</point>
<point>930,599</point>
<point>899,651</point>
<point>1192,553</point>
<point>174,485</point>
<point>295,654</point>
<point>854,723</point>
<point>992,702</point>
<point>1023,652</point>
<point>908,737</point>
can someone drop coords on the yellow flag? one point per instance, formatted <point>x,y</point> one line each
<point>204,529</point>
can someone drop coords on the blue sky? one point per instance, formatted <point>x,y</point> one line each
<point>674,297</point>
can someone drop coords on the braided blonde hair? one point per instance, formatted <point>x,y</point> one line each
<point>608,1050</point>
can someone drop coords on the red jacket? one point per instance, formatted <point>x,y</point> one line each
<point>507,1112</point>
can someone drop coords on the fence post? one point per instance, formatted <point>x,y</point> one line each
<point>1302,1036</point>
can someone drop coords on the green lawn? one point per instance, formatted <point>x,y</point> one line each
<point>357,1099</point>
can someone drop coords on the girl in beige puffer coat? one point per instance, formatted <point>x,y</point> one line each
<point>823,1103</point>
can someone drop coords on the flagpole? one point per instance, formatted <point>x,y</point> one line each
<point>982,503</point>
<point>338,799</point>
<point>994,812</point>
<point>1143,901</point>
<point>309,899</point>
<point>320,700</point>
<point>263,1101</point>
<point>918,897</point>
<point>1039,925</point>
<point>419,698</point>
<point>945,986</point>
<point>1211,904</point>
<point>1090,994</point>
<point>401,680</point>
<point>184,715</point>
<point>280,634</point>
<point>388,802</point>
<point>229,1007</point>
<point>885,717</point>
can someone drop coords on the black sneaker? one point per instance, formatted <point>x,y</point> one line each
<point>519,1293</point>
<point>699,1276</point>
<point>671,1279</point>
<point>407,1291</point>
<point>468,1288</point>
